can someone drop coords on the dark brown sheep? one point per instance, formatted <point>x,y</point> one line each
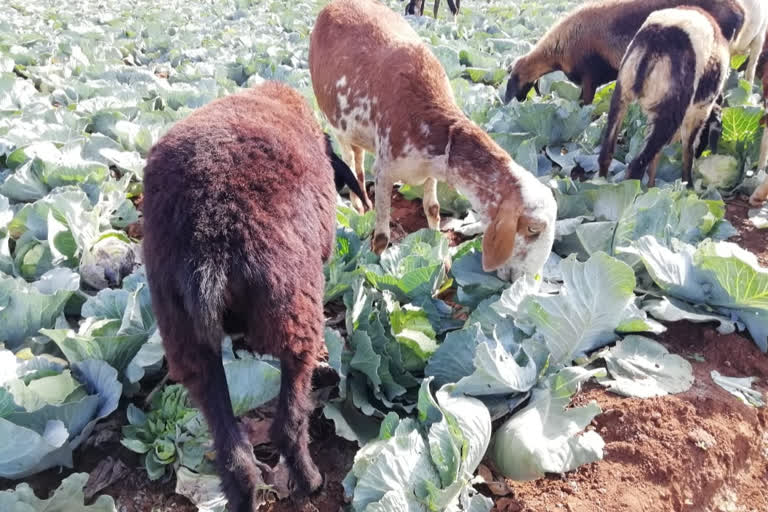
<point>239,217</point>
<point>589,43</point>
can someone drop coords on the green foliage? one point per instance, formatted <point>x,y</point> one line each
<point>172,433</point>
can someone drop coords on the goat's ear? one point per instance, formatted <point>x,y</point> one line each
<point>499,237</point>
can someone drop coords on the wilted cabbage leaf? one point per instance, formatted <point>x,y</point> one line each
<point>641,367</point>
<point>544,436</point>
<point>740,387</point>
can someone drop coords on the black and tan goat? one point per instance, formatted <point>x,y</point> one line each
<point>675,68</point>
<point>420,135</point>
<point>589,43</point>
<point>414,5</point>
<point>239,216</point>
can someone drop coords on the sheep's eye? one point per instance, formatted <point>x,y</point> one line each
<point>534,230</point>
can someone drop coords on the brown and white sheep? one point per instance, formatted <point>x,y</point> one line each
<point>760,194</point>
<point>383,91</point>
<point>675,68</point>
<point>239,216</point>
<point>589,43</point>
<point>413,5</point>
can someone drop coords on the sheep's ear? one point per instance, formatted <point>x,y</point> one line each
<point>499,238</point>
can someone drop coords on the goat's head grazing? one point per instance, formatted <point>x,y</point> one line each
<point>520,81</point>
<point>520,210</point>
<point>521,232</point>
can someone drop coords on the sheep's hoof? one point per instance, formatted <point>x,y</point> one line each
<point>380,242</point>
<point>755,201</point>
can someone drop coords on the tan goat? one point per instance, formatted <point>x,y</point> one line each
<point>383,91</point>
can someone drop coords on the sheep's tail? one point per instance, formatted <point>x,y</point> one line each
<point>204,296</point>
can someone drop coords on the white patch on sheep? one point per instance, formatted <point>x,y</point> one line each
<point>414,166</point>
<point>424,129</point>
<point>341,82</point>
<point>359,127</point>
<point>696,25</point>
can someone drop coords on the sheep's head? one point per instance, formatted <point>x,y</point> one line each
<point>521,231</point>
<point>520,81</point>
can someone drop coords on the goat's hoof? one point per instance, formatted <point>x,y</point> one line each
<point>379,243</point>
<point>303,487</point>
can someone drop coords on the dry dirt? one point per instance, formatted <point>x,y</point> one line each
<point>699,451</point>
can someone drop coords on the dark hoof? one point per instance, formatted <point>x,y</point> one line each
<point>379,243</point>
<point>304,488</point>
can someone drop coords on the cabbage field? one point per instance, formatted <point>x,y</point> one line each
<point>642,343</point>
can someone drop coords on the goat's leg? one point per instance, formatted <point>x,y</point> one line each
<point>430,203</point>
<point>691,131</point>
<point>453,8</point>
<point>616,114</point>
<point>755,48</point>
<point>588,89</point>
<point>359,154</point>
<point>652,169</point>
<point>203,375</point>
<point>663,129</point>
<point>348,155</point>
<point>760,194</point>
<point>383,200</point>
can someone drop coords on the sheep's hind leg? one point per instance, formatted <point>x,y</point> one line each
<point>203,375</point>
<point>430,203</point>
<point>300,328</point>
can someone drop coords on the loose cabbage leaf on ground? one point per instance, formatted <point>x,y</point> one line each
<point>641,367</point>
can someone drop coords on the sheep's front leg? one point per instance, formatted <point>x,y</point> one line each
<point>383,201</point>
<point>431,205</point>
